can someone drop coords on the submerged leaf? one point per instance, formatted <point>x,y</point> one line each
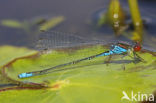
<point>51,23</point>
<point>102,20</point>
<point>11,23</point>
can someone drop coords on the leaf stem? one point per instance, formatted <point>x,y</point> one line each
<point>137,21</point>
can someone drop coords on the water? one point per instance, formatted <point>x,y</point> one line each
<point>78,15</point>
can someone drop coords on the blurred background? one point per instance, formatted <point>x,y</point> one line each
<point>21,20</point>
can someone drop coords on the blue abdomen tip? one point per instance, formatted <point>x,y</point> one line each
<point>25,75</point>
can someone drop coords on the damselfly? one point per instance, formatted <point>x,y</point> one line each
<point>51,40</point>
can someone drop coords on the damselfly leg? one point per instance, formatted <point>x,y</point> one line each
<point>108,60</point>
<point>138,58</point>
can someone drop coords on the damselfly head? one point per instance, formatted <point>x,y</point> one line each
<point>112,46</point>
<point>137,47</point>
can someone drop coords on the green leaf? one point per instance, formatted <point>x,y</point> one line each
<point>51,23</point>
<point>91,81</point>
<point>9,53</point>
<point>11,23</point>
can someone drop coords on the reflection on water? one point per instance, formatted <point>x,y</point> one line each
<point>78,15</point>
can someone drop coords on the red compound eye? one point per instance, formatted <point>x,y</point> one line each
<point>137,48</point>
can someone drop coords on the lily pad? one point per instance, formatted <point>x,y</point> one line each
<point>9,53</point>
<point>91,81</point>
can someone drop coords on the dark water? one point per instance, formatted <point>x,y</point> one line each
<point>77,13</point>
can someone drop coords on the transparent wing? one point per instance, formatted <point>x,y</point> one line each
<point>52,39</point>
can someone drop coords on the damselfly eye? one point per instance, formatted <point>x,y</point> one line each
<point>137,48</point>
<point>112,46</point>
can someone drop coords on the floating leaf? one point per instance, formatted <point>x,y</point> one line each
<point>9,53</point>
<point>88,82</point>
